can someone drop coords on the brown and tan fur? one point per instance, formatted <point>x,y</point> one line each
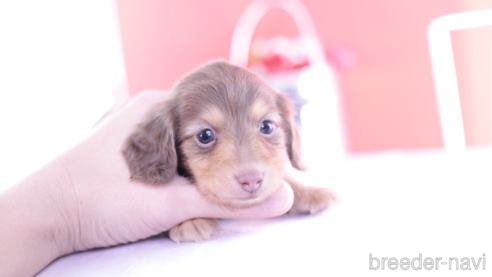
<point>232,102</point>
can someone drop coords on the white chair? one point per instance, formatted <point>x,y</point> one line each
<point>444,71</point>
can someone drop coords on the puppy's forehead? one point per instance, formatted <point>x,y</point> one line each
<point>221,90</point>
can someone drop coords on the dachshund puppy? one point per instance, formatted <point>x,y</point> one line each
<point>231,135</point>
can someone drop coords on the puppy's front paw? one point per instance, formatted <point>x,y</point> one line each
<point>196,230</point>
<point>311,200</point>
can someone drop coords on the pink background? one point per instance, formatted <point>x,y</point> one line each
<point>379,46</point>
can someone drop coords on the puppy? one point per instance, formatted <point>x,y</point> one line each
<point>231,135</point>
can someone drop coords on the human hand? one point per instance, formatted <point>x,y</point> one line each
<point>84,199</point>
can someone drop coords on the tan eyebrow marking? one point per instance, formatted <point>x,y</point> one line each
<point>259,109</point>
<point>212,116</point>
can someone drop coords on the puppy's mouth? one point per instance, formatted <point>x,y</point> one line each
<point>241,200</point>
<point>250,196</point>
<point>246,202</point>
<point>247,190</point>
<point>247,199</point>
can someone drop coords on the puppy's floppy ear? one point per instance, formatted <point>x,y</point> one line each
<point>292,138</point>
<point>150,151</point>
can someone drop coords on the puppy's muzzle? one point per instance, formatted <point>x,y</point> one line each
<point>250,181</point>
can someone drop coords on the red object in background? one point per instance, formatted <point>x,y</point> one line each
<point>278,54</point>
<point>276,62</point>
<point>388,92</point>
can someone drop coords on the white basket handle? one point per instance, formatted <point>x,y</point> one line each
<point>255,11</point>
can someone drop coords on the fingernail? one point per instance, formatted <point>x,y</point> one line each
<point>280,202</point>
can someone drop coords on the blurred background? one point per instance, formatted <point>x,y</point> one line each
<point>63,62</point>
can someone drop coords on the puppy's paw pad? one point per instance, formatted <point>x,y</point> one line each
<point>198,229</point>
<point>312,200</point>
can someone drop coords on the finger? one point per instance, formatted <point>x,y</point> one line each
<point>277,204</point>
<point>161,207</point>
<point>120,123</point>
<point>149,97</point>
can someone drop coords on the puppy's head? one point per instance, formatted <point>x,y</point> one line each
<point>223,128</point>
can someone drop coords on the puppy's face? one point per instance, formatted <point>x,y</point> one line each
<point>223,128</point>
<point>232,143</point>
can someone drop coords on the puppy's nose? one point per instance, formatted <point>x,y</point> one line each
<point>250,181</point>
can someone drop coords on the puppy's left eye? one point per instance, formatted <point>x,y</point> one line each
<point>266,127</point>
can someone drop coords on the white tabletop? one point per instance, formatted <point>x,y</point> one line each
<point>426,204</point>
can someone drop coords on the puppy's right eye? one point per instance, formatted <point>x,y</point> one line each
<point>206,136</point>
